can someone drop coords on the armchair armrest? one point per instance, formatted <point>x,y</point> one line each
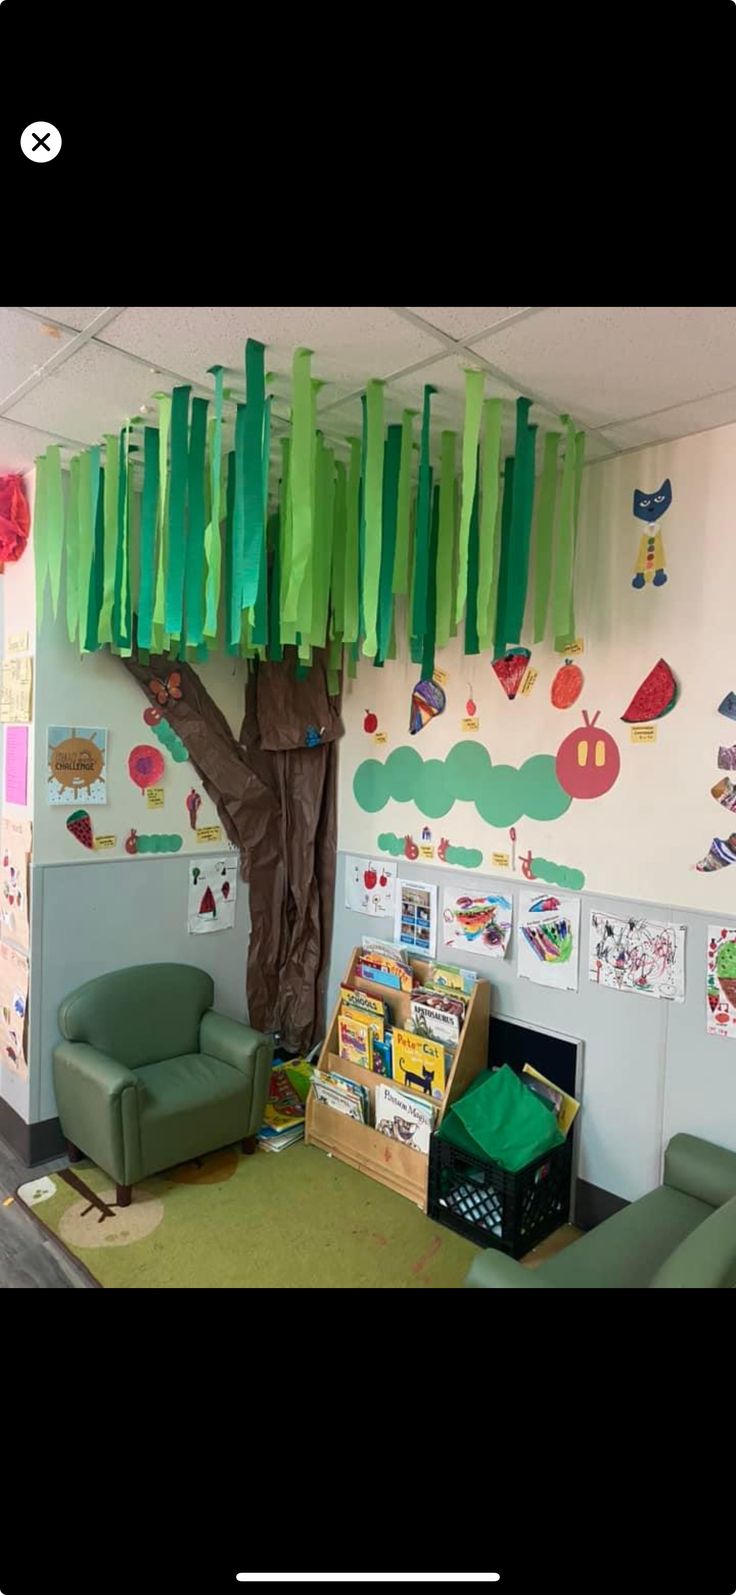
<point>700,1169</point>
<point>495,1271</point>
<point>97,1099</point>
<point>244,1049</point>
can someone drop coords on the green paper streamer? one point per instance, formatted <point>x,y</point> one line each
<point>162,520</point>
<point>423,530</point>
<point>305,604</point>
<point>112,469</point>
<point>391,469</point>
<point>194,578</point>
<point>490,483</point>
<point>230,647</point>
<point>474,383</point>
<point>564,553</point>
<point>287,628</point>
<point>72,551</point>
<point>54,521</point>
<point>213,535</point>
<point>564,641</point>
<point>260,609</point>
<point>97,582</point>
<point>429,635</point>
<point>275,650</point>
<point>351,543</point>
<point>85,541</point>
<point>545,534</point>
<point>254,519</point>
<point>87,596</point>
<point>471,608</point>
<point>339,550</point>
<point>506,513</point>
<point>176,555</point>
<point>373,514</point>
<point>403,508</point>
<point>521,522</point>
<point>147,563</point>
<point>40,536</point>
<point>121,601</point>
<point>446,537</point>
<point>238,531</point>
<point>323,530</point>
<point>300,481</point>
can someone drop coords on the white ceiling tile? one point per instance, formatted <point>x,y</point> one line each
<point>93,392</point>
<point>20,446</point>
<point>699,416</point>
<point>78,317</point>
<point>24,348</point>
<point>609,363</point>
<point>350,345</point>
<point>464,322</point>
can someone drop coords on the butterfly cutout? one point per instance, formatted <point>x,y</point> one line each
<point>165,693</point>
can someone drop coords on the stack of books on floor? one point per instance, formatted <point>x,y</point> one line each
<point>286,1106</point>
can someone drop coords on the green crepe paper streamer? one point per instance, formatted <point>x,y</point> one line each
<point>564,553</point>
<point>545,533</point>
<point>446,538</point>
<point>564,642</point>
<point>254,519</point>
<point>40,536</point>
<point>194,577</point>
<point>429,635</point>
<point>324,531</point>
<point>521,522</point>
<point>176,554</point>
<point>235,622</point>
<point>471,607</point>
<point>275,650</point>
<point>54,521</point>
<point>493,600</point>
<point>87,592</point>
<point>119,633</point>
<point>474,383</point>
<point>162,519</point>
<point>260,611</point>
<point>506,510</point>
<point>148,537</point>
<point>212,536</point>
<point>339,549</point>
<point>361,517</point>
<point>373,514</point>
<point>230,647</point>
<point>351,611</point>
<point>85,540</point>
<point>489,497</point>
<point>287,629</point>
<point>391,468</point>
<point>97,582</point>
<point>423,529</point>
<point>300,481</point>
<point>112,468</point>
<point>72,551</point>
<point>416,644</point>
<point>403,508</point>
<point>305,603</point>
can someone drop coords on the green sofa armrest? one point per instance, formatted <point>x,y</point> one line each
<point>244,1049</point>
<point>495,1271</point>
<point>706,1259</point>
<point>700,1169</point>
<point>97,1099</point>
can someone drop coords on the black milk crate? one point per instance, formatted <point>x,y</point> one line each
<point>493,1207</point>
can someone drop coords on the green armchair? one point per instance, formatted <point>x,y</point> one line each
<point>148,1075</point>
<point>681,1236</point>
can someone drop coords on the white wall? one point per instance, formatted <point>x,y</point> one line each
<point>18,616</point>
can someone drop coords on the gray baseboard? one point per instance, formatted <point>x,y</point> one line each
<point>593,1205</point>
<point>34,1143</point>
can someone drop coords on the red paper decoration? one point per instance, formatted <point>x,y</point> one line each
<point>588,761</point>
<point>15,519</point>
<point>145,766</point>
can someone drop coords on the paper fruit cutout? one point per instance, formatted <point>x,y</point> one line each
<point>728,707</point>
<point>166,691</point>
<point>471,707</point>
<point>410,848</point>
<point>720,854</point>
<point>655,698</point>
<point>567,685</point>
<point>726,970</point>
<point>369,878</point>
<point>193,802</point>
<point>370,724</point>
<point>145,766</point>
<point>588,761</point>
<point>650,560</point>
<point>427,701</point>
<point>79,824</point>
<point>151,844</point>
<point>511,669</point>
<point>152,715</point>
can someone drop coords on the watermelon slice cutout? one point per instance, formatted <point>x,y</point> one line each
<point>79,824</point>
<point>512,669</point>
<point>656,696</point>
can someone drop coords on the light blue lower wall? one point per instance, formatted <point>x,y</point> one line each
<point>92,918</point>
<point>649,1069</point>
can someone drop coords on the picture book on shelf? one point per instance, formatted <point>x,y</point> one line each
<point>449,977</point>
<point>418,1063</point>
<point>364,1002</point>
<point>356,1040</point>
<point>404,1117</point>
<point>432,1018</point>
<point>334,1096</point>
<point>372,1020</point>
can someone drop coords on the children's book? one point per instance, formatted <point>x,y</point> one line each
<point>569,1105</point>
<point>356,1040</point>
<point>333,1096</point>
<point>364,1001</point>
<point>448,977</point>
<point>375,1024</point>
<point>284,1107</point>
<point>418,1063</point>
<point>404,1117</point>
<point>353,1089</point>
<point>435,1023</point>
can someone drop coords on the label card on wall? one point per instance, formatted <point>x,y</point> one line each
<point>155,797</point>
<point>209,833</point>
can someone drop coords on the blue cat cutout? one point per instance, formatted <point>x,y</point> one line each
<point>649,506</point>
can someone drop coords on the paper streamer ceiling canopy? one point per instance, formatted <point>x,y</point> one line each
<point>173,543</point>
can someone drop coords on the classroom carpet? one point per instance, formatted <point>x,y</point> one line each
<point>288,1219</point>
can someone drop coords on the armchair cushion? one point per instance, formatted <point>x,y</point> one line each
<point>97,1099</point>
<point>706,1259</point>
<point>140,1015</point>
<point>189,1106</point>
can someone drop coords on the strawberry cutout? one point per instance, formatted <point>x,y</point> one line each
<point>370,878</point>
<point>79,824</point>
<point>511,669</point>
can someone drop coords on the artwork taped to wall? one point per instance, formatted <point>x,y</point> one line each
<point>415,918</point>
<point>15,850</point>
<point>479,923</point>
<point>16,691</point>
<point>720,983</point>
<point>641,955</point>
<point>213,888</point>
<point>13,1009</point>
<point>549,939</point>
<point>16,765</point>
<point>370,886</point>
<point>77,765</point>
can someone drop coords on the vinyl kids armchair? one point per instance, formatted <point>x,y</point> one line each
<point>148,1075</point>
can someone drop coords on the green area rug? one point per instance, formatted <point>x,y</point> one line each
<point>296,1218</point>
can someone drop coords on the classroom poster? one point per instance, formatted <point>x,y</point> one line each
<point>15,849</point>
<point>213,888</point>
<point>549,939</point>
<point>720,982</point>
<point>13,1008</point>
<point>77,765</point>
<point>415,918</point>
<point>16,765</point>
<point>16,687</point>
<point>478,922</point>
<point>643,955</point>
<point>370,886</point>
